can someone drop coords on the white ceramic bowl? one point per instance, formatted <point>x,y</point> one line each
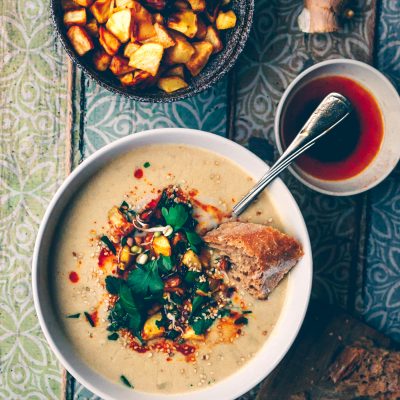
<point>389,103</point>
<point>293,311</point>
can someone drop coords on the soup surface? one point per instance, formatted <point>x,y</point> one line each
<point>78,283</point>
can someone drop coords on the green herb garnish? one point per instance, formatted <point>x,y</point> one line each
<point>176,216</point>
<point>128,303</point>
<point>241,321</point>
<point>77,315</point>
<point>125,381</point>
<point>89,319</point>
<point>194,239</point>
<point>113,284</point>
<point>113,336</point>
<point>146,164</point>
<point>247,312</point>
<point>145,281</point>
<point>109,244</point>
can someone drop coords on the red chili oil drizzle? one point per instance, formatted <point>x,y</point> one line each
<point>95,317</point>
<point>104,257</point>
<point>73,277</point>
<point>210,209</point>
<point>138,174</point>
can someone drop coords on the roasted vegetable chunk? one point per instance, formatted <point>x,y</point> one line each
<point>171,84</point>
<point>101,10</point>
<point>101,60</point>
<point>181,53</point>
<point>109,42</point>
<point>185,22</point>
<point>226,20</point>
<point>147,58</point>
<point>75,17</point>
<point>203,51</point>
<point>120,66</point>
<point>119,24</point>
<point>80,40</point>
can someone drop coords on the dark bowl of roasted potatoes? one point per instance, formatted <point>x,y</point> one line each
<point>154,50</point>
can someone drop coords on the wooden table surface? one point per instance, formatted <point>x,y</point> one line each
<point>52,117</point>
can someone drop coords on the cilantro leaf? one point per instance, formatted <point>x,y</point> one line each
<point>165,264</point>
<point>128,304</point>
<point>197,302</point>
<point>113,284</point>
<point>109,244</point>
<point>176,215</point>
<point>113,336</point>
<point>125,381</point>
<point>77,315</point>
<point>145,281</point>
<point>191,277</point>
<point>194,239</point>
<point>200,325</point>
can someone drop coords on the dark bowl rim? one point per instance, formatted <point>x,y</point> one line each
<point>192,90</point>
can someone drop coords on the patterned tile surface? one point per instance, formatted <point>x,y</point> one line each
<point>380,298</point>
<point>32,124</point>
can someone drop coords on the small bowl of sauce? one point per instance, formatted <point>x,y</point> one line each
<point>362,150</point>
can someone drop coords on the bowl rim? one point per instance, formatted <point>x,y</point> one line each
<point>194,90</point>
<point>293,310</point>
<point>282,104</point>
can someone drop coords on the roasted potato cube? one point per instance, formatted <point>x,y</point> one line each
<point>75,17</point>
<point>190,334</point>
<point>225,20</point>
<point>151,330</point>
<point>80,40</point>
<point>181,53</point>
<point>176,71</point>
<point>163,37</point>
<point>191,260</point>
<point>101,60</point>
<point>144,28</point>
<point>119,24</point>
<point>197,5</point>
<point>125,256</point>
<point>212,36</point>
<point>201,29</point>
<point>137,78</point>
<point>130,48</point>
<point>203,51</point>
<point>116,218</point>
<point>109,42</point>
<point>147,58</point>
<point>93,28</point>
<point>101,10</point>
<point>157,17</point>
<point>171,84</point>
<point>69,5</point>
<point>161,246</point>
<point>120,66</point>
<point>84,3</point>
<point>184,21</point>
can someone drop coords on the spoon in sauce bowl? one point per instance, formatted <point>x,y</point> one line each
<point>333,109</point>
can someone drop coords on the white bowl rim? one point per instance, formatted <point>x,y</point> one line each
<point>281,105</point>
<point>296,313</point>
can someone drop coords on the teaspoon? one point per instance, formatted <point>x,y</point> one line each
<point>333,109</point>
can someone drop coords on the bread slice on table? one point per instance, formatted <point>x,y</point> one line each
<point>260,255</point>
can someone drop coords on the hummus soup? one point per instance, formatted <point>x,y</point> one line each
<point>96,257</point>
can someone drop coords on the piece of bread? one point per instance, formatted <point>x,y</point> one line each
<point>363,370</point>
<point>260,255</point>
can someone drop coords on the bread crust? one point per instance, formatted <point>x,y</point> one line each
<point>260,255</point>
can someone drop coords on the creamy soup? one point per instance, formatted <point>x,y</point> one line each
<point>78,282</point>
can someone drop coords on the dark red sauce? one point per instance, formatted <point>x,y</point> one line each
<point>73,277</point>
<point>351,146</point>
<point>95,317</point>
<point>104,257</point>
<point>138,173</point>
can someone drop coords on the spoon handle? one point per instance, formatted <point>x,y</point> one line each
<point>331,111</point>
